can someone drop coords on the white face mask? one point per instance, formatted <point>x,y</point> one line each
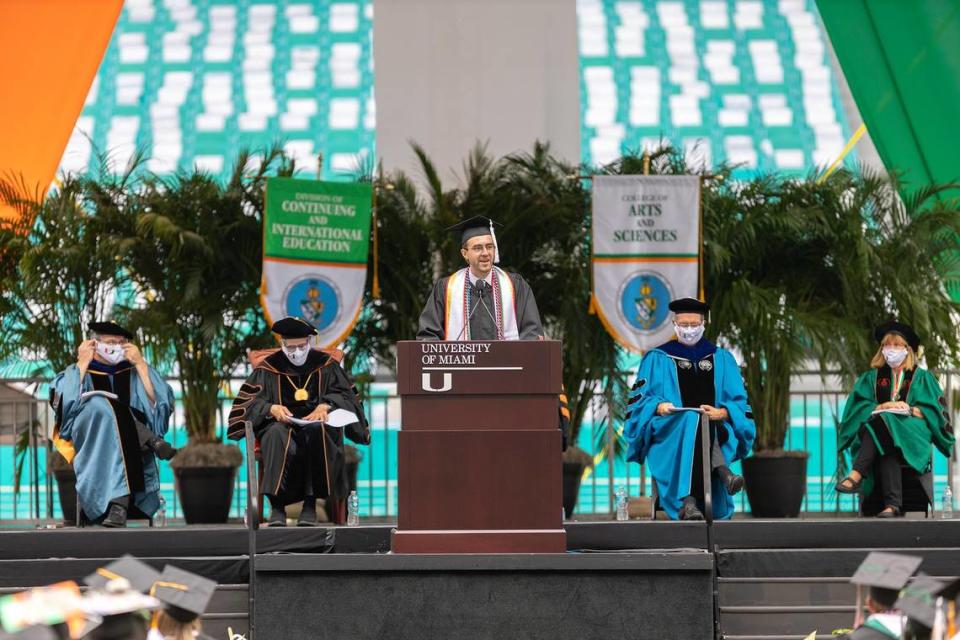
<point>297,355</point>
<point>689,335</point>
<point>110,353</point>
<point>894,356</point>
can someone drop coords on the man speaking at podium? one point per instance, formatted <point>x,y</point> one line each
<point>480,301</point>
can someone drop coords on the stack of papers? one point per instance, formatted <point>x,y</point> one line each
<point>899,412</point>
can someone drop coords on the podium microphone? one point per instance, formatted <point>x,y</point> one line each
<point>481,285</point>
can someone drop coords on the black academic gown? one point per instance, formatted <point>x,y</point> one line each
<point>482,324</point>
<point>483,327</point>
<point>864,633</point>
<point>299,462</point>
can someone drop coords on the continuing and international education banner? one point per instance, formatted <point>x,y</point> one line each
<point>316,238</point>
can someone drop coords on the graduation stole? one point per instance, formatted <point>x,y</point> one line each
<point>459,303</point>
<point>890,389</point>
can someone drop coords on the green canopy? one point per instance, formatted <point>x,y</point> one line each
<point>901,59</point>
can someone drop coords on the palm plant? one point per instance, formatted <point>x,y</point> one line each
<point>803,269</point>
<point>193,249</point>
<point>61,271</point>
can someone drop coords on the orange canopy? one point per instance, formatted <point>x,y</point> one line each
<point>50,51</point>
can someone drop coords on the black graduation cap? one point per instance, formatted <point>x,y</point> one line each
<point>109,329</point>
<point>689,305</point>
<point>951,591</point>
<point>918,600</point>
<point>886,570</point>
<point>477,226</point>
<point>904,330</point>
<point>291,327</point>
<point>140,575</point>
<point>185,595</point>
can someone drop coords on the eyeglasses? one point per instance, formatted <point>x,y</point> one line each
<point>480,248</point>
<point>113,342</point>
<point>689,325</point>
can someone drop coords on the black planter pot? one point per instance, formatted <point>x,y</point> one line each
<point>67,490</point>
<point>775,485</point>
<point>572,475</point>
<point>205,493</point>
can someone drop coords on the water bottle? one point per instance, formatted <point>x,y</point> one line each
<point>353,509</point>
<point>622,515</point>
<point>946,511</point>
<point>160,520</point>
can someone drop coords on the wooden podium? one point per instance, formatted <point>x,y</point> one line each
<point>479,450</point>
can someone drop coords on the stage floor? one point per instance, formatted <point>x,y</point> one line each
<point>772,577</point>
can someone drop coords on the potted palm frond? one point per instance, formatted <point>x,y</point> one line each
<point>193,247</point>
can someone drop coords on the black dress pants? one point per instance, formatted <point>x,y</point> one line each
<point>887,467</point>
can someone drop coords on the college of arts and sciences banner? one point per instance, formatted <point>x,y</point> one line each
<point>646,252</point>
<point>315,241</point>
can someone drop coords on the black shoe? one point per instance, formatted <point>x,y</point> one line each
<point>308,517</point>
<point>689,511</point>
<point>278,518</point>
<point>163,449</point>
<point>890,511</point>
<point>732,481</point>
<point>849,485</point>
<point>116,517</point>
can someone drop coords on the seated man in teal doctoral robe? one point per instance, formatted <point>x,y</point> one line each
<point>690,372</point>
<point>112,435</point>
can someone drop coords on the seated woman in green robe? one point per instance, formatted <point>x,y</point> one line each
<point>894,413</point>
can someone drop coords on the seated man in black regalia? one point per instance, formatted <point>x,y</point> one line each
<point>300,462</point>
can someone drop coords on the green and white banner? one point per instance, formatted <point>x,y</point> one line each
<point>646,252</point>
<point>316,236</point>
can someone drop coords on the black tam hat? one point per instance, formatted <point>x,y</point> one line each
<point>918,600</point>
<point>109,329</point>
<point>903,330</point>
<point>477,226</point>
<point>184,595</point>
<point>689,305</point>
<point>140,575</point>
<point>291,327</point>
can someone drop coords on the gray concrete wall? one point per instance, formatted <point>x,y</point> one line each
<point>452,72</point>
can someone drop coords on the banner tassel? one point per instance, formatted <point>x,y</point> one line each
<point>592,307</point>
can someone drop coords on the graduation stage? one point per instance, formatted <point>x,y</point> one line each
<point>760,578</point>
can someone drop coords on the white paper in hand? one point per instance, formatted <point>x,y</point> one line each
<point>300,422</point>
<point>899,412</point>
<point>693,409</point>
<point>96,392</point>
<point>340,418</point>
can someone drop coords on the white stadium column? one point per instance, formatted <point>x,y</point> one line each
<point>451,72</point>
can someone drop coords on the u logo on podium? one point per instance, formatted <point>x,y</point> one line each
<point>426,384</point>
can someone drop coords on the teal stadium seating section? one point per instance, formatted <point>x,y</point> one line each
<point>193,81</point>
<point>746,81</point>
